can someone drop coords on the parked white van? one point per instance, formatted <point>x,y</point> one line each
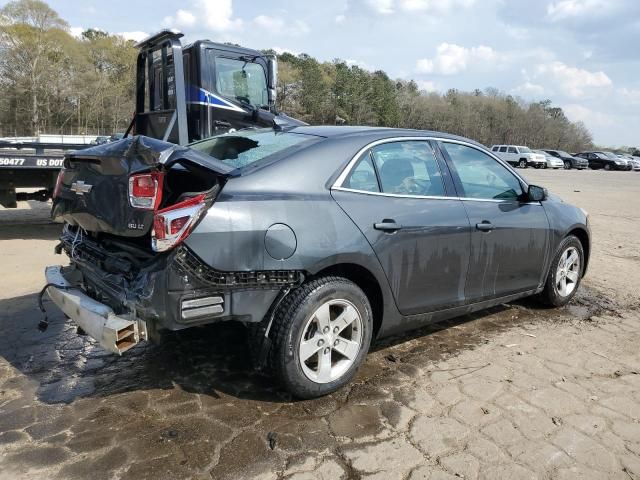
<point>519,156</point>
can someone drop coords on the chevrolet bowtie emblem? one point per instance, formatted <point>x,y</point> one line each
<point>80,187</point>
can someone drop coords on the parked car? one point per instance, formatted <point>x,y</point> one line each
<point>598,160</point>
<point>633,161</point>
<point>519,156</point>
<point>100,140</point>
<point>552,162</point>
<point>319,239</point>
<point>569,161</point>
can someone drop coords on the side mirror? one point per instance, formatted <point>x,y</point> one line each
<point>272,66</point>
<point>537,194</point>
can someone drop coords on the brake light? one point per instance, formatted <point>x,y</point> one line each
<point>145,190</point>
<point>173,224</point>
<point>58,186</point>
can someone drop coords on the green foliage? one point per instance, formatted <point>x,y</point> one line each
<point>55,83</point>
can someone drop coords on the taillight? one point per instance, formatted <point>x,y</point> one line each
<point>171,225</point>
<point>145,190</point>
<point>58,186</point>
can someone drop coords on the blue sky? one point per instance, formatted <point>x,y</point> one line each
<point>581,54</point>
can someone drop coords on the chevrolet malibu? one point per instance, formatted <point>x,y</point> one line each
<point>319,239</point>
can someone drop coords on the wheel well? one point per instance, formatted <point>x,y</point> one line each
<point>364,279</point>
<point>584,240</point>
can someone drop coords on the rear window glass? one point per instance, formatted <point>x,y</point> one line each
<point>239,149</point>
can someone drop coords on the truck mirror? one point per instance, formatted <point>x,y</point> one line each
<point>272,65</point>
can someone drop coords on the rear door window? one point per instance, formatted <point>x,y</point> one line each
<point>363,176</point>
<point>503,149</point>
<point>408,168</point>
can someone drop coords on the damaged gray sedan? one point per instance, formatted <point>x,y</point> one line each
<point>319,239</point>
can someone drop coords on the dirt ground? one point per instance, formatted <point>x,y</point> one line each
<point>515,392</point>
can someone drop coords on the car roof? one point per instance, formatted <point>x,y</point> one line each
<point>339,131</point>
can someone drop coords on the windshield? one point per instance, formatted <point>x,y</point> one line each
<point>239,149</point>
<point>243,81</point>
<point>563,153</point>
<point>610,155</point>
<point>524,150</point>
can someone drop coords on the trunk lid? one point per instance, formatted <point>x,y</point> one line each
<point>93,190</point>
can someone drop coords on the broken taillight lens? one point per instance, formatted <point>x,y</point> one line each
<point>145,190</point>
<point>171,225</point>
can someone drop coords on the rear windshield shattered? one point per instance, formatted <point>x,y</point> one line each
<point>239,149</point>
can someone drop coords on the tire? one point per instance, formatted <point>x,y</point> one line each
<point>522,163</point>
<point>607,167</point>
<point>300,316</point>
<point>567,165</point>
<point>552,294</point>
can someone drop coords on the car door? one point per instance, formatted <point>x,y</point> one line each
<point>510,235</point>
<point>402,199</point>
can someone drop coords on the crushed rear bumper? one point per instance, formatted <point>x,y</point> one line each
<point>115,333</point>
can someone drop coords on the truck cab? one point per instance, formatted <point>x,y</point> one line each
<point>185,94</point>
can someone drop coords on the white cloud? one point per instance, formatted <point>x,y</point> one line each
<point>572,81</point>
<point>216,15</point>
<point>76,31</point>
<point>136,36</point>
<point>184,18</point>
<point>278,26</point>
<point>579,113</point>
<point>358,63</point>
<point>389,7</point>
<point>451,59</point>
<point>427,85</point>
<point>528,88</point>
<point>280,51</point>
<point>382,7</point>
<point>565,9</point>
<point>629,95</point>
<point>340,19</point>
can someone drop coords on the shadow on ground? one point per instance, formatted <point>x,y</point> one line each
<point>214,360</point>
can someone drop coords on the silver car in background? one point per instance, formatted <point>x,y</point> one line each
<point>552,162</point>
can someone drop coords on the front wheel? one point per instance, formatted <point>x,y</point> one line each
<point>321,335</point>
<point>565,273</point>
<point>607,167</point>
<point>522,164</point>
<point>567,165</point>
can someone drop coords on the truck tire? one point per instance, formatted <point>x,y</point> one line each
<point>321,334</point>
<point>522,163</point>
<point>565,273</point>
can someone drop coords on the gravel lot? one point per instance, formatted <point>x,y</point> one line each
<point>515,392</point>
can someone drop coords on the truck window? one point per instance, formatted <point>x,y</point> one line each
<point>242,81</point>
<point>512,150</point>
<point>503,149</point>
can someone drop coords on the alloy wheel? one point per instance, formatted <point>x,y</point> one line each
<point>567,165</point>
<point>331,341</point>
<point>523,164</point>
<point>568,272</point>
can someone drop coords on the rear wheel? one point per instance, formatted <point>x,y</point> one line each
<point>607,167</point>
<point>565,273</point>
<point>321,335</point>
<point>522,163</point>
<point>567,165</point>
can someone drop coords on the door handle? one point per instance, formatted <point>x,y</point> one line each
<point>484,226</point>
<point>387,226</point>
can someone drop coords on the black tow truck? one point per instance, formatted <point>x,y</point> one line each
<point>183,94</point>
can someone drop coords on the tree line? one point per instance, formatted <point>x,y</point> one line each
<point>53,82</point>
